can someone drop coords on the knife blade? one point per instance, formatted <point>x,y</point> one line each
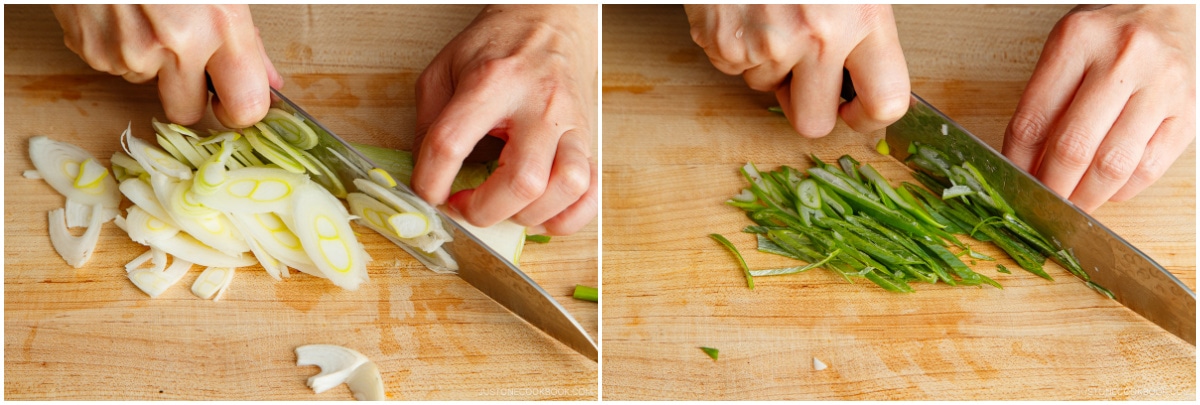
<point>478,264</point>
<point>1136,280</point>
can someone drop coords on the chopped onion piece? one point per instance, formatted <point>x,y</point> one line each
<point>188,248</point>
<point>818,364</point>
<point>254,190</point>
<point>154,283</point>
<point>76,250</point>
<point>339,364</point>
<point>32,174</point>
<point>142,195</point>
<point>323,226</point>
<point>212,282</point>
<point>145,229</point>
<point>506,238</point>
<point>382,177</point>
<point>409,224</point>
<point>153,159</point>
<point>59,164</point>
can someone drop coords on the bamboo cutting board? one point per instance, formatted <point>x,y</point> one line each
<point>675,133</point>
<point>90,334</point>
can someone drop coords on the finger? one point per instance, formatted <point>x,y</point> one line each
<point>520,178</point>
<point>1168,143</point>
<point>1073,143</point>
<point>184,92</point>
<point>812,96</point>
<point>570,177</point>
<point>880,81</point>
<point>576,216</point>
<point>434,89</point>
<point>239,77</point>
<point>1119,153</point>
<point>778,57</point>
<point>273,77</point>
<point>468,115</point>
<point>1056,79</point>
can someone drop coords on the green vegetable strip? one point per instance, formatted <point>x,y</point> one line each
<point>711,352</point>
<point>745,268</point>
<point>586,293</point>
<point>796,269</point>
<point>876,209</point>
<point>537,238</point>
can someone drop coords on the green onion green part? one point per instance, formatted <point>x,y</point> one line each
<point>583,292</point>
<point>745,268</point>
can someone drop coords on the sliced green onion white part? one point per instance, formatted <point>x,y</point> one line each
<point>506,237</point>
<point>213,282</point>
<point>76,250</point>
<point>153,159</point>
<point>154,283</point>
<point>338,365</point>
<point>291,128</point>
<point>32,174</point>
<point>59,164</point>
<point>145,229</point>
<point>277,240</point>
<point>188,248</point>
<point>322,224</point>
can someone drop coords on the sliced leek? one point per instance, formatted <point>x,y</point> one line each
<point>213,282</point>
<point>322,225</point>
<point>154,283</point>
<point>76,250</point>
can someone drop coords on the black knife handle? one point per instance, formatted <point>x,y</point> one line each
<point>847,86</point>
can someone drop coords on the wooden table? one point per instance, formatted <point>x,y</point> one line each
<point>675,133</point>
<point>90,334</point>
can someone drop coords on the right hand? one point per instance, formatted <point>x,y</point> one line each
<point>178,44</point>
<point>798,51</point>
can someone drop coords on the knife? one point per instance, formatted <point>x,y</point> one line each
<point>1136,280</point>
<point>478,264</point>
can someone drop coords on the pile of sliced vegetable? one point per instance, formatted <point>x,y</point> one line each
<point>848,219</point>
<point>234,199</point>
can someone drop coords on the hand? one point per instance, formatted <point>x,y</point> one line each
<point>177,44</point>
<point>798,51</point>
<point>525,75</point>
<point>1111,103</point>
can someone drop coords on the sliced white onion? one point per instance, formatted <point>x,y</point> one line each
<point>76,250</point>
<point>59,164</point>
<point>154,283</point>
<point>323,226</point>
<point>212,282</point>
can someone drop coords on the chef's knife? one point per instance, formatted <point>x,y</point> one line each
<point>1136,280</point>
<point>478,264</point>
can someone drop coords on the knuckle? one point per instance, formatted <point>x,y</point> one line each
<point>1078,25</point>
<point>1027,128</point>
<point>1116,164</point>
<point>1073,149</point>
<point>575,180</point>
<point>442,148</point>
<point>528,185</point>
<point>1151,167</point>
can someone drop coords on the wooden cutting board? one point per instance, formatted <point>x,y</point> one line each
<point>675,133</point>
<point>90,334</point>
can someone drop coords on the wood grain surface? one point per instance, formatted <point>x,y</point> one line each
<point>676,131</point>
<point>90,334</point>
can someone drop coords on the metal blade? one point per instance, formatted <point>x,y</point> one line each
<point>1136,280</point>
<point>478,264</point>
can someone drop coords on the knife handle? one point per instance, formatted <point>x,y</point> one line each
<point>847,86</point>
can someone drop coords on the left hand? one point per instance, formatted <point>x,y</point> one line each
<point>526,75</point>
<point>1111,103</point>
